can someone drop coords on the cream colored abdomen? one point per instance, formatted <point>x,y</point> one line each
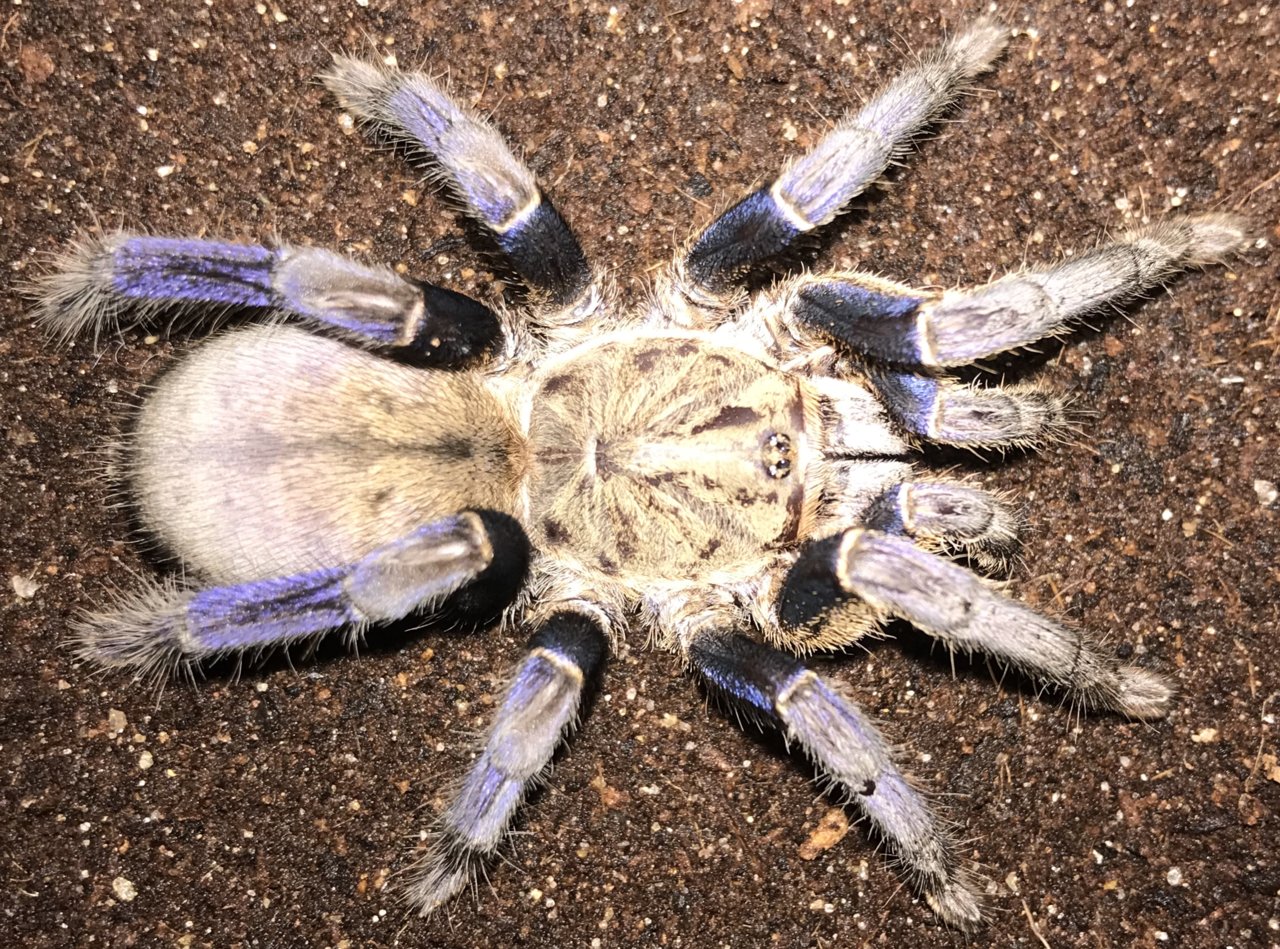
<point>270,451</point>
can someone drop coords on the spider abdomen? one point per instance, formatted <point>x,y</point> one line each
<point>270,451</point>
<point>666,456</point>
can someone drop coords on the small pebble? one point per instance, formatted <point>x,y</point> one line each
<point>124,889</point>
<point>1266,491</point>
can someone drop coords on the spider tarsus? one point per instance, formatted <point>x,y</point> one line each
<point>442,873</point>
<point>74,296</point>
<point>359,86</point>
<point>956,905</point>
<point>975,50</point>
<point>142,634</point>
<point>1142,694</point>
<point>1197,240</point>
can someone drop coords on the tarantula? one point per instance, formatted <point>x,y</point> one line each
<point>728,476</point>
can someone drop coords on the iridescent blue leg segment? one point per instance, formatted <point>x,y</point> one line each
<point>167,628</point>
<point>540,706</point>
<point>814,188</point>
<point>495,187</point>
<point>371,306</point>
<point>847,748</point>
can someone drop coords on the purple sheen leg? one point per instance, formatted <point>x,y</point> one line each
<point>388,583</point>
<point>493,183</point>
<point>495,187</point>
<point>538,709</point>
<point>484,807</point>
<point>166,627</point>
<point>368,305</point>
<point>541,702</point>
<point>847,748</point>
<point>820,184</point>
<point>170,269</point>
<point>266,612</point>
<point>955,606</point>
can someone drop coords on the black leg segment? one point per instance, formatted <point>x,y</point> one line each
<point>873,318</point>
<point>545,254</point>
<point>749,233</point>
<point>455,330</point>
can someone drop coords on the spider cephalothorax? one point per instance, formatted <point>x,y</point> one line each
<point>725,476</point>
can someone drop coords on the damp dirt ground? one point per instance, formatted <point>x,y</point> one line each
<point>275,809</point>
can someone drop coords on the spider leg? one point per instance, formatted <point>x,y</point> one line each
<point>946,412</point>
<point>814,188</point>
<point>463,562</point>
<point>847,748</point>
<point>495,187</point>
<point>896,578</point>
<point>954,517</point>
<point>896,324</point>
<point>372,306</point>
<point>540,706</point>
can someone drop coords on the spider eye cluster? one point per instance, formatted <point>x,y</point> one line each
<point>776,455</point>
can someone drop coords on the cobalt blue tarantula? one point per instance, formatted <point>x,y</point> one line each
<point>726,476</point>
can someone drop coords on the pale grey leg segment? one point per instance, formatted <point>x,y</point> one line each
<point>848,749</point>
<point>495,187</point>
<point>539,708</point>
<point>971,416</point>
<point>964,326</point>
<point>956,517</point>
<point>816,187</point>
<point>953,604</point>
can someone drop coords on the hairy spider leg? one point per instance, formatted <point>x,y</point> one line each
<point>538,710</point>
<point>849,750</point>
<point>817,186</point>
<point>495,187</point>
<point>897,324</point>
<point>954,517</point>
<point>897,578</point>
<point>167,627</point>
<point>946,412</point>
<point>371,306</point>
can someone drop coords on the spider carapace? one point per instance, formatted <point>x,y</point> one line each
<point>634,477</point>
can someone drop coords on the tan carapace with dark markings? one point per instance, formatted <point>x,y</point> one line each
<point>631,476</point>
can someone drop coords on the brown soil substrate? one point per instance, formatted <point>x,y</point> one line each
<point>272,810</point>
